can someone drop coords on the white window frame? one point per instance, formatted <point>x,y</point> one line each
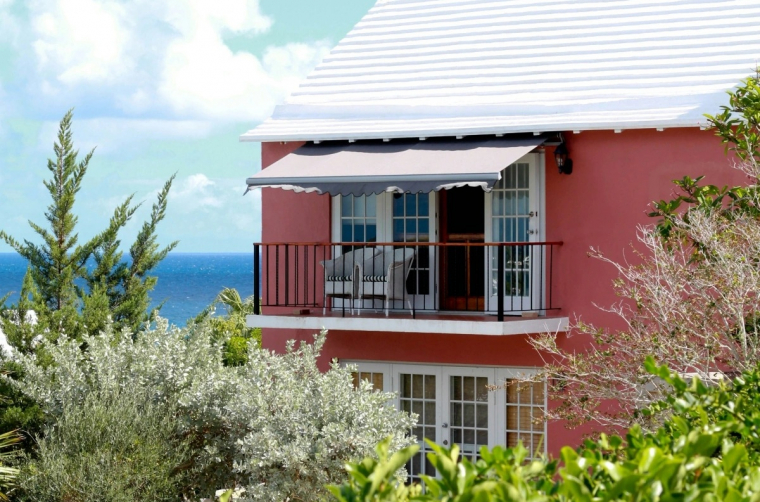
<point>537,174</point>
<point>497,400</point>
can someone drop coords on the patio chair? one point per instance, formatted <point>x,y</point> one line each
<point>384,277</point>
<point>343,273</point>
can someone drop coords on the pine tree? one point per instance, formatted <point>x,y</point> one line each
<point>114,289</point>
<point>60,259</point>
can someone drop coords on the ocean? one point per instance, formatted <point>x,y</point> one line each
<point>188,282</point>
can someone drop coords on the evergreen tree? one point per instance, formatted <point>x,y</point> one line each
<point>115,288</point>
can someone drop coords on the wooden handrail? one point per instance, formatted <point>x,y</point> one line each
<point>410,244</point>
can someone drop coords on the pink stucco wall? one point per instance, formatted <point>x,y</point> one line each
<point>615,178</point>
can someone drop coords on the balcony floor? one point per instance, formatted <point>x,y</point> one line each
<point>459,323</point>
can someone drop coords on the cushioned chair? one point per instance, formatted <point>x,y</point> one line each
<point>383,276</point>
<point>343,275</point>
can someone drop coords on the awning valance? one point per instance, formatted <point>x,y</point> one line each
<point>407,167</point>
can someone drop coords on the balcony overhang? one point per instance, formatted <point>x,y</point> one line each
<point>400,166</point>
<point>464,325</point>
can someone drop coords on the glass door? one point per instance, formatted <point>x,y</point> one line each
<point>412,221</point>
<point>512,217</point>
<point>470,409</point>
<point>418,390</point>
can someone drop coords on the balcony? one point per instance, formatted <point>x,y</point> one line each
<point>454,287</point>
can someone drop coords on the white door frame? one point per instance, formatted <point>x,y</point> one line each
<point>536,182</point>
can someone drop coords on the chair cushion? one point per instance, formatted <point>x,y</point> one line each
<point>374,278</point>
<point>340,278</point>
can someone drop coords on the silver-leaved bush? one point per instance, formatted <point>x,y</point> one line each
<point>275,426</point>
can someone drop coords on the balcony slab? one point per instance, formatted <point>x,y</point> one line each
<point>423,323</point>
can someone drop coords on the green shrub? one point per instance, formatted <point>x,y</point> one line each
<point>707,451</point>
<point>275,425</point>
<point>118,446</point>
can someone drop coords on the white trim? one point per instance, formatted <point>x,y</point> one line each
<point>268,134</point>
<point>406,324</point>
<point>497,400</point>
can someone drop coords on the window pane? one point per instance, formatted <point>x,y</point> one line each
<point>417,386</point>
<point>411,205</point>
<point>359,232</point>
<point>398,230</point>
<point>522,202</point>
<point>497,206</point>
<point>423,208</point>
<point>345,205</point>
<point>411,230</point>
<point>429,413</point>
<point>469,388</point>
<point>371,231</point>
<point>481,389</point>
<point>424,235</point>
<point>498,230</point>
<point>429,386</point>
<point>456,388</point>
<point>509,203</point>
<point>359,206</point>
<point>346,234</point>
<point>509,177</point>
<point>398,204</point>
<point>522,177</point>
<point>372,205</point>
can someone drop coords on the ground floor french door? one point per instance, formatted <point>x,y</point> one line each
<point>468,406</point>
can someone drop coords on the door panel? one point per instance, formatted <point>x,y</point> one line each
<point>418,392</point>
<point>470,409</point>
<point>512,214</point>
<point>462,266</point>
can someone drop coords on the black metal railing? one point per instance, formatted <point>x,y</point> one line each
<point>493,278</point>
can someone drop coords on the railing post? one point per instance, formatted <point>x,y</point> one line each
<point>500,283</point>
<point>256,281</point>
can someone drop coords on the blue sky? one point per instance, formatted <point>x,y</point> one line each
<point>158,87</point>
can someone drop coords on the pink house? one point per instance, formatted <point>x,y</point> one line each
<point>413,204</point>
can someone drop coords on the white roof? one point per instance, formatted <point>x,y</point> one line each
<point>460,67</point>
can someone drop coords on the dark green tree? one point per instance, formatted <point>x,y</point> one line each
<point>64,295</point>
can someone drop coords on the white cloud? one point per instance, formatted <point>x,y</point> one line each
<point>195,192</point>
<point>164,58</point>
<point>82,40</point>
<point>113,134</point>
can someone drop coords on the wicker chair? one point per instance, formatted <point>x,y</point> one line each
<point>343,275</point>
<point>384,277</point>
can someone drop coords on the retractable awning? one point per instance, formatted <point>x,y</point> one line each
<point>406,167</point>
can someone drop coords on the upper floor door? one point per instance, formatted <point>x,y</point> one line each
<point>512,217</point>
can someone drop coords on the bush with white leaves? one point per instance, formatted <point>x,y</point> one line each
<point>276,426</point>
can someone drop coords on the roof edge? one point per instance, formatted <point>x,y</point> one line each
<point>253,136</point>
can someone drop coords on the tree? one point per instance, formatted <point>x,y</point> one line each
<point>114,288</point>
<point>691,301</point>
<point>275,426</point>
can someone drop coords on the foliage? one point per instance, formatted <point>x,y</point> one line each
<point>276,425</point>
<point>7,474</point>
<point>689,299</point>
<point>116,444</point>
<point>231,327</point>
<point>707,451</point>
<point>114,289</point>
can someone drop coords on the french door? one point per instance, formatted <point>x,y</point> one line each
<point>512,216</point>
<point>456,405</point>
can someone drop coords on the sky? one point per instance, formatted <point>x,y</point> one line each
<point>157,88</point>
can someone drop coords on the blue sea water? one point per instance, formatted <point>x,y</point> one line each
<point>188,282</point>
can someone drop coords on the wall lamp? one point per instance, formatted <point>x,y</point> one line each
<point>564,162</point>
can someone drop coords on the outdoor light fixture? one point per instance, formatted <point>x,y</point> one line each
<point>564,163</point>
